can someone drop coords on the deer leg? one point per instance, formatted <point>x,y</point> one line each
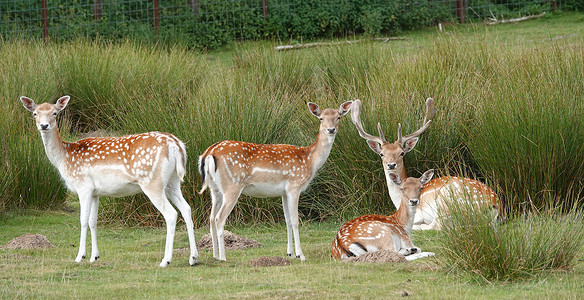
<point>290,248</point>
<point>216,203</point>
<point>229,200</point>
<point>293,211</point>
<point>174,193</point>
<point>94,206</point>
<point>419,255</point>
<point>422,227</point>
<point>85,209</point>
<point>158,198</point>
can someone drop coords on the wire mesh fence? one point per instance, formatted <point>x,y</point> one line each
<point>238,19</point>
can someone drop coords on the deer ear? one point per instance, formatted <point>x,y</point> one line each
<point>410,144</point>
<point>395,178</point>
<point>61,103</point>
<point>314,109</point>
<point>345,107</point>
<point>427,176</point>
<point>28,103</point>
<point>375,146</point>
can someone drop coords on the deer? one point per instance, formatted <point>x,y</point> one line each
<point>372,233</point>
<point>152,162</point>
<point>231,168</point>
<point>436,193</point>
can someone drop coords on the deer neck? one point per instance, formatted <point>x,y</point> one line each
<point>320,150</point>
<point>405,216</point>
<point>395,192</point>
<point>54,147</point>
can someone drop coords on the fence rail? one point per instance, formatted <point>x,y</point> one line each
<point>239,19</point>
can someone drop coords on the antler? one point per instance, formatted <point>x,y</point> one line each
<point>356,118</point>
<point>430,109</point>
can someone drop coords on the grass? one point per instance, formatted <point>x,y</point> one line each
<point>523,93</point>
<point>508,109</point>
<point>518,248</point>
<point>128,267</point>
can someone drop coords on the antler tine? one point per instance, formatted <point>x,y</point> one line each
<point>356,118</point>
<point>430,109</point>
<point>399,133</point>
<point>381,135</point>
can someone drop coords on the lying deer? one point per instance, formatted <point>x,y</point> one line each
<point>231,168</point>
<point>152,162</point>
<point>372,233</point>
<point>436,192</point>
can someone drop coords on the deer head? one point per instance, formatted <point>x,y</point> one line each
<point>392,154</point>
<point>45,114</point>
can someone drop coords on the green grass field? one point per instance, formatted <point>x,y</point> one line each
<point>128,268</point>
<point>509,111</point>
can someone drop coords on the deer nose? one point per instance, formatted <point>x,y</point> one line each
<point>414,201</point>
<point>331,130</point>
<point>44,126</point>
<point>391,166</point>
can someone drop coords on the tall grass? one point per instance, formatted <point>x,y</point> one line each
<point>521,248</point>
<point>510,114</point>
<point>527,131</point>
<point>28,179</point>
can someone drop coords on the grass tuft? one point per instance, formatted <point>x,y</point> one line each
<point>521,248</point>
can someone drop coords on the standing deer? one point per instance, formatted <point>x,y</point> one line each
<point>372,233</point>
<point>152,162</point>
<point>231,168</point>
<point>436,192</point>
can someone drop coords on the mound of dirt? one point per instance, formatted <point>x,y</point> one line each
<point>28,241</point>
<point>268,261</point>
<point>383,256</point>
<point>232,241</point>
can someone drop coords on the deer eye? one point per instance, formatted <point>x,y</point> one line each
<point>338,118</point>
<point>402,154</point>
<point>54,114</point>
<point>320,119</point>
<point>381,154</point>
<point>34,114</point>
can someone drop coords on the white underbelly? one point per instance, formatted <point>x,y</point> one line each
<point>114,184</point>
<point>117,190</point>
<point>264,190</point>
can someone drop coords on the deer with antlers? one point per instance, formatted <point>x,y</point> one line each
<point>231,168</point>
<point>153,162</point>
<point>436,192</point>
<point>372,233</point>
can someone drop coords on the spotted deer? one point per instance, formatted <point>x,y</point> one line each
<point>436,192</point>
<point>152,162</point>
<point>231,168</point>
<point>372,233</point>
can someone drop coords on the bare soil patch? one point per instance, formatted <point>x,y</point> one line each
<point>28,241</point>
<point>268,261</point>
<point>232,241</point>
<point>383,256</point>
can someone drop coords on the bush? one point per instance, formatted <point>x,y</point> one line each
<point>576,5</point>
<point>218,22</point>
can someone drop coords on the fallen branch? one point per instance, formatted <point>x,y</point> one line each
<point>494,21</point>
<point>318,44</point>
